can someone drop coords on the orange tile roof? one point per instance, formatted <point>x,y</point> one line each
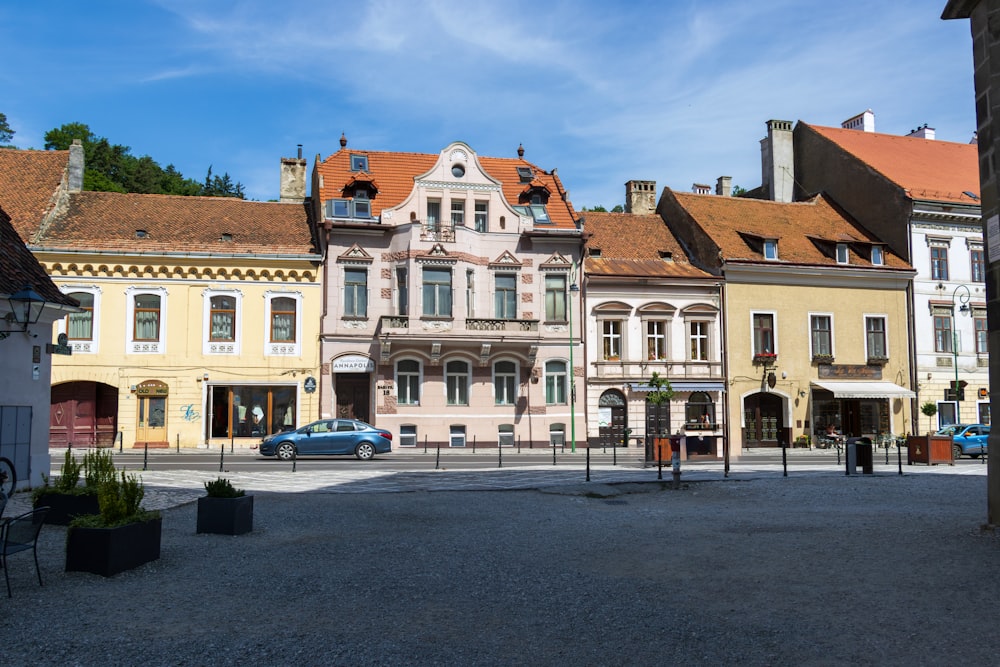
<point>395,173</point>
<point>731,221</point>
<point>926,168</point>
<point>18,267</point>
<point>631,245</point>
<point>108,221</point>
<point>29,181</point>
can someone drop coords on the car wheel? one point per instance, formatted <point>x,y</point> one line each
<point>956,451</point>
<point>365,451</point>
<point>285,451</point>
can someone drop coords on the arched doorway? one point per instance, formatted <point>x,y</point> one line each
<point>612,417</point>
<point>83,414</point>
<point>763,419</point>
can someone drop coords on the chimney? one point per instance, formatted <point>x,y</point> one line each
<point>864,121</point>
<point>724,186</point>
<point>701,189</point>
<point>640,197</point>
<point>778,161</point>
<point>75,176</point>
<point>293,179</point>
<point>922,132</point>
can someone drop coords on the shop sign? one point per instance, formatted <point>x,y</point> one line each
<point>151,388</point>
<point>850,372</point>
<point>353,363</point>
<point>309,386</point>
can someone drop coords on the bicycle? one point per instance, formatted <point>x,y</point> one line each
<point>8,477</point>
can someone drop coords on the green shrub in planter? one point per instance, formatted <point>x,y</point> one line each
<point>225,510</point>
<point>222,488</point>
<point>66,498</point>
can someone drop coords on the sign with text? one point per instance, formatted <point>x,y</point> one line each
<point>353,363</point>
<point>851,372</point>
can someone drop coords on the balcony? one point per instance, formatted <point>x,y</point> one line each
<point>765,359</point>
<point>507,326</point>
<point>674,370</point>
<point>437,232</point>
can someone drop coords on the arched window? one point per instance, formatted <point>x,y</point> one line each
<point>555,383</point>
<point>700,410</point>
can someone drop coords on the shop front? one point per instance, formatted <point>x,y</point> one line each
<point>857,408</point>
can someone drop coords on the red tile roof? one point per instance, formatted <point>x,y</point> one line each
<point>634,246</point>
<point>29,181</point>
<point>807,232</point>
<point>926,168</point>
<point>108,221</point>
<point>395,173</point>
<point>18,267</point>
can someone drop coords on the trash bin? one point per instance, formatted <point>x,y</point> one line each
<point>860,453</point>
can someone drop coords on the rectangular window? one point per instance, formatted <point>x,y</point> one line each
<point>338,208</point>
<point>822,335</point>
<point>408,435</point>
<point>843,255</point>
<point>878,258</point>
<point>222,314</point>
<point>506,296</point>
<point>555,298</point>
<point>982,335</point>
<point>943,341</point>
<point>437,292</point>
<point>875,338</point>
<point>470,293</point>
<point>355,293</point>
<point>555,383</point>
<point>457,212</point>
<point>505,383</point>
<point>408,382</point>
<point>362,208</point>
<point>482,216</point>
<point>770,249</point>
<point>283,320</point>
<point>699,341</point>
<point>402,292</point>
<point>505,435</point>
<point>80,326</point>
<point>147,317</point>
<point>359,163</point>
<point>656,340</point>
<point>456,435</point>
<point>978,259</point>
<point>939,263</point>
<point>456,375</point>
<point>763,333</point>
<point>250,410</point>
<point>433,214</point>
<point>611,340</point>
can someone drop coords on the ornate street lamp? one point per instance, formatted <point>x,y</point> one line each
<point>963,299</point>
<point>26,307</point>
<point>573,287</point>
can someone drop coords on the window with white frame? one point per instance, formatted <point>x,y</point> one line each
<point>557,434</point>
<point>875,338</point>
<point>437,292</point>
<point>402,291</point>
<point>470,293</point>
<point>283,323</point>
<point>505,382</point>
<point>555,297</point>
<point>433,214</point>
<point>456,377</point>
<point>699,339</point>
<point>457,212</point>
<point>556,382</point>
<point>505,435</point>
<point>843,254</point>
<point>770,249</point>
<point>355,292</point>
<point>982,333</point>
<point>505,296</point>
<point>656,340</point>
<point>763,333</point>
<point>408,435</point>
<point>82,328</point>
<point>222,318</point>
<point>939,259</point>
<point>878,255</point>
<point>456,435</point>
<point>482,216</point>
<point>611,340</point>
<point>977,258</point>
<point>821,335</point>
<point>943,332</point>
<point>408,382</point>
<point>146,320</point>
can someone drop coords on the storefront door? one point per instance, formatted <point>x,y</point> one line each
<point>151,418</point>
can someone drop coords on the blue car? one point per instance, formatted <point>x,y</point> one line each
<point>967,439</point>
<point>329,436</point>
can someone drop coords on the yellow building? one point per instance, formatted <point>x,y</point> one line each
<point>816,317</point>
<point>199,322</point>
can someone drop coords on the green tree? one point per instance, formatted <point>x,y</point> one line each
<point>618,209</point>
<point>6,133</point>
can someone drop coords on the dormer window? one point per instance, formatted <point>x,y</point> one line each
<point>878,258</point>
<point>843,254</point>
<point>770,249</point>
<point>359,207</point>
<point>359,163</point>
<point>594,252</point>
<point>525,174</point>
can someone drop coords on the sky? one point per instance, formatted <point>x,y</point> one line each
<point>675,91</point>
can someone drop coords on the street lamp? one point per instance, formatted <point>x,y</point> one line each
<point>963,299</point>
<point>26,307</point>
<point>572,375</point>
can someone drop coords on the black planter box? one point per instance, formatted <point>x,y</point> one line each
<point>108,551</point>
<point>226,516</point>
<point>64,506</point>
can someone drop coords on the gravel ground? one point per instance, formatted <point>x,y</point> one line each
<point>779,571</point>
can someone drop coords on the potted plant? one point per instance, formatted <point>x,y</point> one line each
<point>123,536</point>
<point>660,393</point>
<point>929,409</point>
<point>67,498</point>
<point>224,509</point>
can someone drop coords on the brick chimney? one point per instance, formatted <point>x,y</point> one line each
<point>724,186</point>
<point>640,197</point>
<point>777,158</point>
<point>293,179</point>
<point>75,175</point>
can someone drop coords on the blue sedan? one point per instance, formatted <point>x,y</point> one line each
<point>329,436</point>
<point>967,439</point>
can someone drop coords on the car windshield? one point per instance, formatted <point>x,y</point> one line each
<point>950,430</point>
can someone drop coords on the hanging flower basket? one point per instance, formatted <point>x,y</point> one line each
<point>823,358</point>
<point>766,358</point>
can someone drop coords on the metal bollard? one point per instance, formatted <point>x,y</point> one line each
<point>145,456</point>
<point>295,458</point>
<point>659,460</point>
<point>518,444</point>
<point>553,453</point>
<point>222,456</point>
<point>588,463</point>
<point>473,444</point>
<point>784,459</point>
<point>437,458</point>
<point>425,443</point>
<point>178,443</point>
<point>499,455</point>
<point>675,468</point>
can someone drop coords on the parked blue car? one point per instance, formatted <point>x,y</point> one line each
<point>967,439</point>
<point>329,436</point>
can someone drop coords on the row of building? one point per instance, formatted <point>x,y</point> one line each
<point>462,300</point>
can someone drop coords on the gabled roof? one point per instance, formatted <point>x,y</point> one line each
<point>807,232</point>
<point>29,183</point>
<point>18,267</point>
<point>111,221</point>
<point>634,246</point>
<point>926,169</point>
<point>395,174</point>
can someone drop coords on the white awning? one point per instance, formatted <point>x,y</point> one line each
<point>849,389</point>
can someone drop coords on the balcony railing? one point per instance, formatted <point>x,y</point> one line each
<point>675,370</point>
<point>489,324</point>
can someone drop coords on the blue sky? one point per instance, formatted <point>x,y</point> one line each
<point>676,91</point>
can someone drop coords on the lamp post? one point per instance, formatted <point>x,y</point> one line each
<point>26,307</point>
<point>572,375</point>
<point>963,299</point>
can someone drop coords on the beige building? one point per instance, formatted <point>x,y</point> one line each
<point>450,297</point>
<point>815,315</point>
